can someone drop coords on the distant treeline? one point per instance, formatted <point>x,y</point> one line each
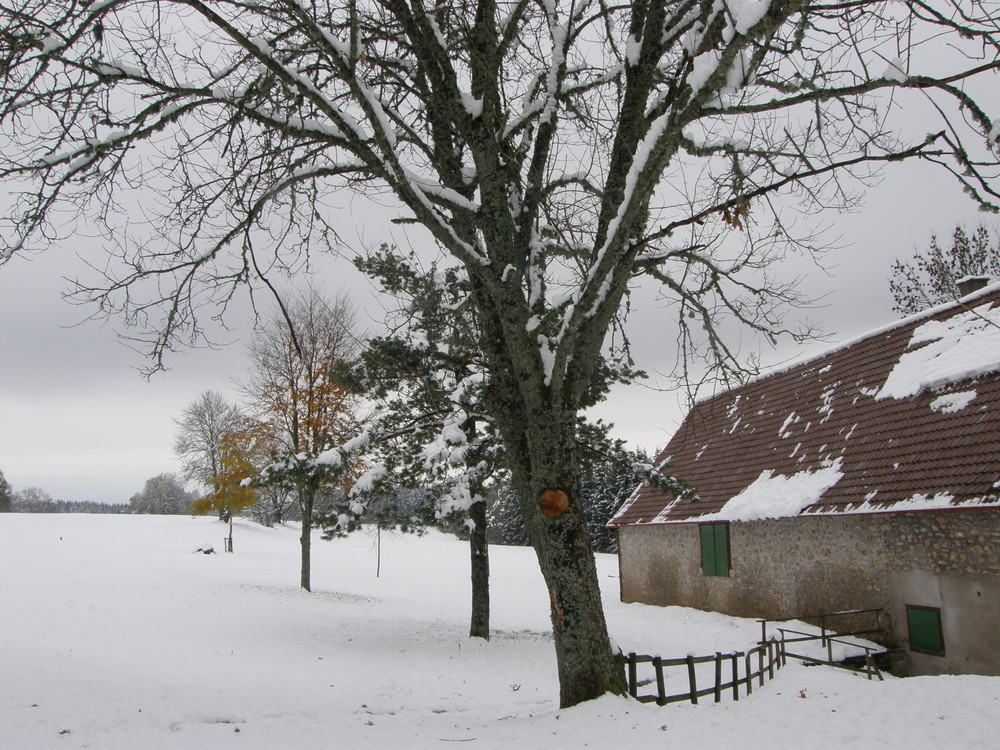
<point>19,505</point>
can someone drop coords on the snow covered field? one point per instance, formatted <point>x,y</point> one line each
<point>116,635</point>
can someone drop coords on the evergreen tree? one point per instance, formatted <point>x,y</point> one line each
<point>430,430</point>
<point>37,500</point>
<point>606,482</point>
<point>434,428</point>
<point>5,494</point>
<point>607,479</point>
<point>506,524</point>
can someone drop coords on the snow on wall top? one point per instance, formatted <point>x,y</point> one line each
<point>905,418</point>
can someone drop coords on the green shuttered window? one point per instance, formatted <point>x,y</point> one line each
<point>925,629</point>
<point>715,549</point>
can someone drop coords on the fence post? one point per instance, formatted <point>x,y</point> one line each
<point>736,677</point>
<point>760,662</point>
<point>718,677</point>
<point>872,666</point>
<point>749,666</point>
<point>661,691</point>
<point>692,681</point>
<point>633,682</point>
<point>771,649</point>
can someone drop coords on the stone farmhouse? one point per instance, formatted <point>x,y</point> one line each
<point>865,477</point>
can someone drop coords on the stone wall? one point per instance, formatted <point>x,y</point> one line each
<point>806,565</point>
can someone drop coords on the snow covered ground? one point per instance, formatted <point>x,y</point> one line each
<point>116,635</point>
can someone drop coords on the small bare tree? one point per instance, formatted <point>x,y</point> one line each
<point>201,430</point>
<point>932,278</point>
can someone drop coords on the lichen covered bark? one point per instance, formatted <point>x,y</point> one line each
<point>538,425</point>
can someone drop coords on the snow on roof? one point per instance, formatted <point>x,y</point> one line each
<point>780,496</point>
<point>904,322</point>
<point>904,418</point>
<point>946,351</point>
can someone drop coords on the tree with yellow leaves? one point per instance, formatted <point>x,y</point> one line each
<point>296,401</point>
<point>230,495</point>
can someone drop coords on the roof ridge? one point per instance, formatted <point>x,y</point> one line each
<point>805,359</point>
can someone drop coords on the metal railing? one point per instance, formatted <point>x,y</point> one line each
<point>827,640</point>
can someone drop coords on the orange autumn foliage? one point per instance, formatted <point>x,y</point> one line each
<point>229,494</point>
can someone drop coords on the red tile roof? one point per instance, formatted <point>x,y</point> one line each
<point>905,418</point>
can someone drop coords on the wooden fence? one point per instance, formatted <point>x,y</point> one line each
<point>741,668</point>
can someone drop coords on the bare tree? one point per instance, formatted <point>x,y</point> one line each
<point>558,150</point>
<point>163,494</point>
<point>201,429</point>
<point>932,278</point>
<point>295,400</point>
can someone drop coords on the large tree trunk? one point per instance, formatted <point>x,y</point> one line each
<point>306,503</point>
<point>544,469</point>
<point>538,425</point>
<point>588,665</point>
<point>480,554</point>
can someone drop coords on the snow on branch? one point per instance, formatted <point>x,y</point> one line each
<point>549,150</point>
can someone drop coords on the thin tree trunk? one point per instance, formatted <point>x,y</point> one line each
<point>306,503</point>
<point>480,554</point>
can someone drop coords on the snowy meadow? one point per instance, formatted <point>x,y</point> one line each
<point>115,634</point>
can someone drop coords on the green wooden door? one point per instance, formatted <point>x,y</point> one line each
<point>715,549</point>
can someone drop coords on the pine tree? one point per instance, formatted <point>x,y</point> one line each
<point>607,478</point>
<point>5,494</point>
<point>430,429</point>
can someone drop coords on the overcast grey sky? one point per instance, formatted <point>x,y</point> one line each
<point>77,419</point>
